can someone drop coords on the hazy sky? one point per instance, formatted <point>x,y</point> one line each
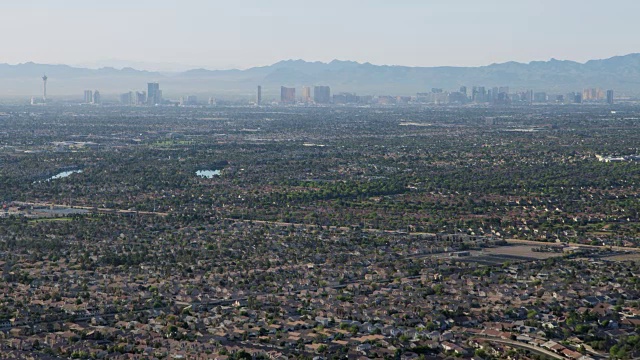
<point>244,33</point>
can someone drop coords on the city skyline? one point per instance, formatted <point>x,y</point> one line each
<point>321,95</point>
<point>462,34</point>
<point>554,77</point>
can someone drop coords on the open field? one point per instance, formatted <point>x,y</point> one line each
<point>524,251</point>
<point>624,257</point>
<point>49,220</point>
<point>500,255</point>
<point>537,243</point>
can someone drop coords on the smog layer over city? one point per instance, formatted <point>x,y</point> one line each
<point>334,180</point>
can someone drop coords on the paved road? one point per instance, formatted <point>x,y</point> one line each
<point>90,208</point>
<point>539,243</point>
<point>521,345</point>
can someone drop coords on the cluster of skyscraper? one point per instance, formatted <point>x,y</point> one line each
<point>153,96</point>
<point>502,96</point>
<point>92,97</point>
<point>321,95</point>
<point>478,95</point>
<point>190,100</point>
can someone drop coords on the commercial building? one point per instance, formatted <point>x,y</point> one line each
<point>306,94</point>
<point>610,97</point>
<point>259,96</point>
<point>287,95</point>
<point>154,94</point>
<point>478,94</point>
<point>577,98</point>
<point>126,98</point>
<point>346,98</point>
<point>88,97</point>
<point>540,97</point>
<point>321,94</point>
<point>459,97</point>
<point>593,94</point>
<point>141,98</point>
<point>190,100</point>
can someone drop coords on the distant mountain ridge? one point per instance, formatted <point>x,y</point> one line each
<point>621,73</point>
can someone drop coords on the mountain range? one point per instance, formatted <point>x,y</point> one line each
<point>621,73</point>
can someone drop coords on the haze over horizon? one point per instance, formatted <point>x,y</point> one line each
<point>169,35</point>
<point>169,67</point>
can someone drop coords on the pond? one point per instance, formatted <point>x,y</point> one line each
<point>209,174</point>
<point>64,174</point>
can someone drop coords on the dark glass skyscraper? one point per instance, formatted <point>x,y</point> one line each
<point>610,97</point>
<point>259,96</point>
<point>154,94</point>
<point>321,94</point>
<point>97,99</point>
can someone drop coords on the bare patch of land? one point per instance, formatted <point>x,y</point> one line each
<point>526,251</point>
<point>624,257</point>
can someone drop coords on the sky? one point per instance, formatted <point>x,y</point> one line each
<point>213,34</point>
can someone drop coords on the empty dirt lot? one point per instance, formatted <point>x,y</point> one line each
<point>525,251</point>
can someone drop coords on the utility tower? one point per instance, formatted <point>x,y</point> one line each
<point>44,88</point>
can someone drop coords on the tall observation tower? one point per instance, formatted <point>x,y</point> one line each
<point>44,88</point>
